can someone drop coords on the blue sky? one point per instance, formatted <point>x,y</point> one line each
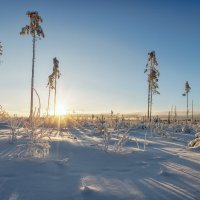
<point>102,46</point>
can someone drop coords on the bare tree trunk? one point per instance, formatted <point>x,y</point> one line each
<point>175,114</point>
<point>148,101</point>
<point>171,113</point>
<point>192,111</point>
<point>32,79</point>
<point>55,98</point>
<point>38,114</point>
<point>187,107</point>
<point>169,117</point>
<point>48,102</point>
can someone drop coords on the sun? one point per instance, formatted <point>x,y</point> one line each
<point>61,109</point>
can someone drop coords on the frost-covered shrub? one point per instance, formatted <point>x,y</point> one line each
<point>159,129</point>
<point>121,141</point>
<point>197,135</point>
<point>187,129</point>
<point>37,148</point>
<point>196,127</point>
<point>194,143</point>
<point>14,125</point>
<point>170,129</point>
<point>106,139</point>
<point>142,125</point>
<point>38,137</point>
<point>177,128</point>
<point>3,114</point>
<point>101,124</point>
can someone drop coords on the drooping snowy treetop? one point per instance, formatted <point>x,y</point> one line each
<point>34,27</point>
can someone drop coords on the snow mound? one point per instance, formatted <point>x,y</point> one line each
<point>194,143</point>
<point>89,185</point>
<point>197,135</point>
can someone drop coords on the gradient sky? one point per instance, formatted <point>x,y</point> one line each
<point>102,46</point>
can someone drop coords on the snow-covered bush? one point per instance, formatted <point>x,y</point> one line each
<point>187,129</point>
<point>121,141</point>
<point>116,123</point>
<point>197,135</point>
<point>106,139</point>
<point>37,148</point>
<point>177,128</point>
<point>160,129</point>
<point>142,125</point>
<point>101,124</point>
<point>196,142</point>
<point>3,114</point>
<point>38,138</point>
<point>14,125</point>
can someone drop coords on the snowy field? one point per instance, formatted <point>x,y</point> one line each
<point>82,165</point>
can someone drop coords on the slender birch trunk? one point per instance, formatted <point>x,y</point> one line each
<point>32,79</point>
<point>48,101</point>
<point>55,96</point>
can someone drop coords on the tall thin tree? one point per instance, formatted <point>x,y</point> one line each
<point>192,112</point>
<point>50,85</point>
<point>35,30</point>
<point>187,90</point>
<point>175,114</point>
<point>1,49</point>
<point>57,74</point>
<point>153,75</point>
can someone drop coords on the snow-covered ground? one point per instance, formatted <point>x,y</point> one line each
<point>79,168</point>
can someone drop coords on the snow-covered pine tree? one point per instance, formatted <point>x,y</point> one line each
<point>187,90</point>
<point>153,76</point>
<point>35,30</point>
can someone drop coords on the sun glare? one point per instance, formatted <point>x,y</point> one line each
<point>60,110</point>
